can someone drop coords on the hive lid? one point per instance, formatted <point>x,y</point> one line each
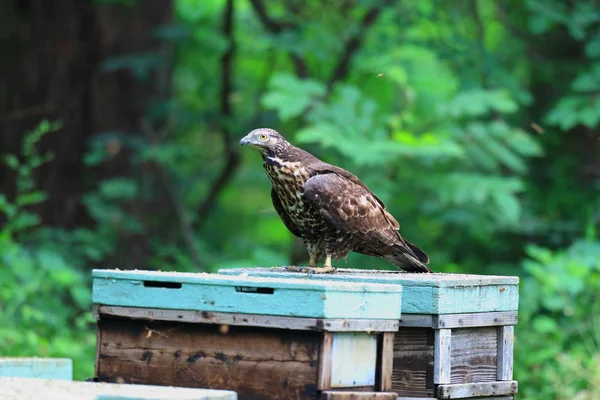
<point>34,388</point>
<point>435,293</point>
<point>247,294</point>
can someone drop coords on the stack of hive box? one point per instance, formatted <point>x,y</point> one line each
<point>270,334</point>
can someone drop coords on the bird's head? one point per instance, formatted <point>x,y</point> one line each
<point>266,140</point>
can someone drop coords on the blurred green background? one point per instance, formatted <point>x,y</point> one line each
<point>475,121</point>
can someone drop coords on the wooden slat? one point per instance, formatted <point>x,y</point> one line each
<point>325,352</point>
<point>37,389</point>
<point>442,354</point>
<point>506,338</point>
<point>477,390</point>
<point>413,362</point>
<point>246,294</point>
<point>385,361</point>
<point>353,360</point>
<point>475,319</point>
<point>98,344</point>
<point>479,398</point>
<point>255,362</point>
<point>34,367</point>
<point>416,398</point>
<point>423,293</point>
<point>267,321</point>
<point>417,320</point>
<point>386,276</point>
<point>339,395</point>
<point>474,355</point>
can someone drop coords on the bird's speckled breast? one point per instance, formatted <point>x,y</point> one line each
<point>288,179</point>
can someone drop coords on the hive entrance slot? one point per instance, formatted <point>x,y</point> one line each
<point>167,285</point>
<point>251,289</point>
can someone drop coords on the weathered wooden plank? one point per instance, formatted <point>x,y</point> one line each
<point>442,356</point>
<point>417,320</point>
<point>385,365</point>
<point>324,377</point>
<point>36,389</point>
<point>476,299</point>
<point>477,389</point>
<point>489,398</point>
<point>413,362</point>
<point>353,359</point>
<point>423,293</point>
<point>33,367</point>
<point>257,363</point>
<point>464,320</point>
<point>478,398</point>
<point>249,295</point>
<point>506,339</point>
<point>474,355</point>
<point>416,398</point>
<point>339,395</point>
<point>475,319</point>
<point>267,321</point>
<point>98,344</point>
<point>388,276</point>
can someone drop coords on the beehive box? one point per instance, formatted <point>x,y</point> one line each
<point>46,389</point>
<point>265,338</point>
<point>456,334</point>
<point>34,367</point>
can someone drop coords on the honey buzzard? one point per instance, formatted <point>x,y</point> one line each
<point>329,208</point>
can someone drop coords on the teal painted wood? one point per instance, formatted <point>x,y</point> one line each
<point>38,389</point>
<point>422,293</point>
<point>248,295</point>
<point>33,367</point>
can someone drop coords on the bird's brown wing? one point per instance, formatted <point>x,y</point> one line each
<point>283,214</point>
<point>349,206</point>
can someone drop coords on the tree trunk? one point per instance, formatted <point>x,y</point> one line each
<point>51,63</point>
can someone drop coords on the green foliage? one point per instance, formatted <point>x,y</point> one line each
<point>558,336</point>
<point>44,300</point>
<point>19,219</point>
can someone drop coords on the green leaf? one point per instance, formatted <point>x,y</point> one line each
<point>545,324</point>
<point>291,96</point>
<point>12,161</point>
<point>509,208</point>
<point>501,101</point>
<point>29,198</point>
<point>24,220</point>
<point>119,189</point>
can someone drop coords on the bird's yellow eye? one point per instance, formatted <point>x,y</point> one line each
<point>263,137</point>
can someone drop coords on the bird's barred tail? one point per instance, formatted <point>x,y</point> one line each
<point>402,259</point>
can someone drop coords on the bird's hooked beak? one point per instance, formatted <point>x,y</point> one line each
<point>246,140</point>
<point>251,140</point>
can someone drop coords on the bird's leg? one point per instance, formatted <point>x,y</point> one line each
<point>325,269</point>
<point>312,265</point>
<point>312,262</point>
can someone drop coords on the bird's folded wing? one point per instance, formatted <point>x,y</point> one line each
<point>352,208</point>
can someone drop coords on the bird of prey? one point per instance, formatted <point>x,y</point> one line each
<point>329,208</point>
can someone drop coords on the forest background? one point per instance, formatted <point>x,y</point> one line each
<point>475,121</point>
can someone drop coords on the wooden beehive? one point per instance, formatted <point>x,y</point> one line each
<point>38,389</point>
<point>456,334</point>
<point>264,338</point>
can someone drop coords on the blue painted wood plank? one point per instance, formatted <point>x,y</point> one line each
<point>422,293</point>
<point>38,389</point>
<point>248,295</point>
<point>33,367</point>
